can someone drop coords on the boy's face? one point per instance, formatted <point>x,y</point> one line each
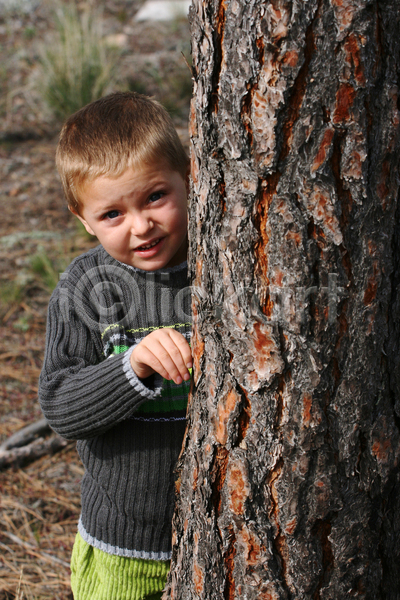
<point>140,218</point>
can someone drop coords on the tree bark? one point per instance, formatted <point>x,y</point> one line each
<point>289,481</point>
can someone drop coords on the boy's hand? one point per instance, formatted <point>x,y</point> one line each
<point>164,351</point>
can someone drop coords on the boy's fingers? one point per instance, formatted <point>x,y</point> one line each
<point>165,351</point>
<point>185,352</point>
<point>157,357</point>
<point>174,354</point>
<point>171,359</point>
<point>147,360</point>
<point>183,346</point>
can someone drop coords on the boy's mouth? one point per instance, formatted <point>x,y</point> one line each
<point>147,246</point>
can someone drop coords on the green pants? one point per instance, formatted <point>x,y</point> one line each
<point>96,575</point>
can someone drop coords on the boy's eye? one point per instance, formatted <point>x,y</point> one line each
<point>156,196</point>
<point>112,214</point>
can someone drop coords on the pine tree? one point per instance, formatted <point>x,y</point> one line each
<point>289,483</point>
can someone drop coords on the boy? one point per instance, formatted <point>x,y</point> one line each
<point>116,367</point>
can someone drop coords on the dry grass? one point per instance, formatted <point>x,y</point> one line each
<point>39,510</point>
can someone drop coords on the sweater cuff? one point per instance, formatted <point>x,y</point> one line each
<point>138,384</point>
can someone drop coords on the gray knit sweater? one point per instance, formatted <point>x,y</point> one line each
<point>129,431</point>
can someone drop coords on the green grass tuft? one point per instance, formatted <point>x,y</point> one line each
<point>45,271</point>
<point>10,294</point>
<point>77,66</point>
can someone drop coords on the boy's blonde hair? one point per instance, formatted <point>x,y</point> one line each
<point>114,133</point>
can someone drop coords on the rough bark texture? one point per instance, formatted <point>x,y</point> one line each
<point>289,480</point>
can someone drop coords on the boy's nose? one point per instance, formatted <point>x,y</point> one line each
<point>141,224</point>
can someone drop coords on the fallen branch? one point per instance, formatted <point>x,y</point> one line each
<point>30,452</point>
<point>26,435</point>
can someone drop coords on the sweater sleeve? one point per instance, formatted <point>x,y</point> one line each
<point>81,393</point>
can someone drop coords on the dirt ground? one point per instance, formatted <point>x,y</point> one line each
<point>39,501</point>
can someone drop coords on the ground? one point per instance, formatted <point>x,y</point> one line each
<point>39,502</point>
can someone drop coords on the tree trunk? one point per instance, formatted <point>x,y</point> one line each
<point>289,481</point>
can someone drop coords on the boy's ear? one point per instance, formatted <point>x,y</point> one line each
<point>82,220</point>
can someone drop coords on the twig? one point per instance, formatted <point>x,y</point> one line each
<point>191,69</point>
<point>26,435</point>
<point>18,597</point>
<point>15,505</point>
<point>32,451</point>
<point>32,550</point>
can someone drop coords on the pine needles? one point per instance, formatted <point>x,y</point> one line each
<point>40,508</point>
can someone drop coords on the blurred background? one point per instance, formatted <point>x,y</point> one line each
<point>54,58</point>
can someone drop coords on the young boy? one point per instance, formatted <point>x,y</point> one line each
<point>117,361</point>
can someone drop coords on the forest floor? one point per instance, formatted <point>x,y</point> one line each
<point>39,501</point>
